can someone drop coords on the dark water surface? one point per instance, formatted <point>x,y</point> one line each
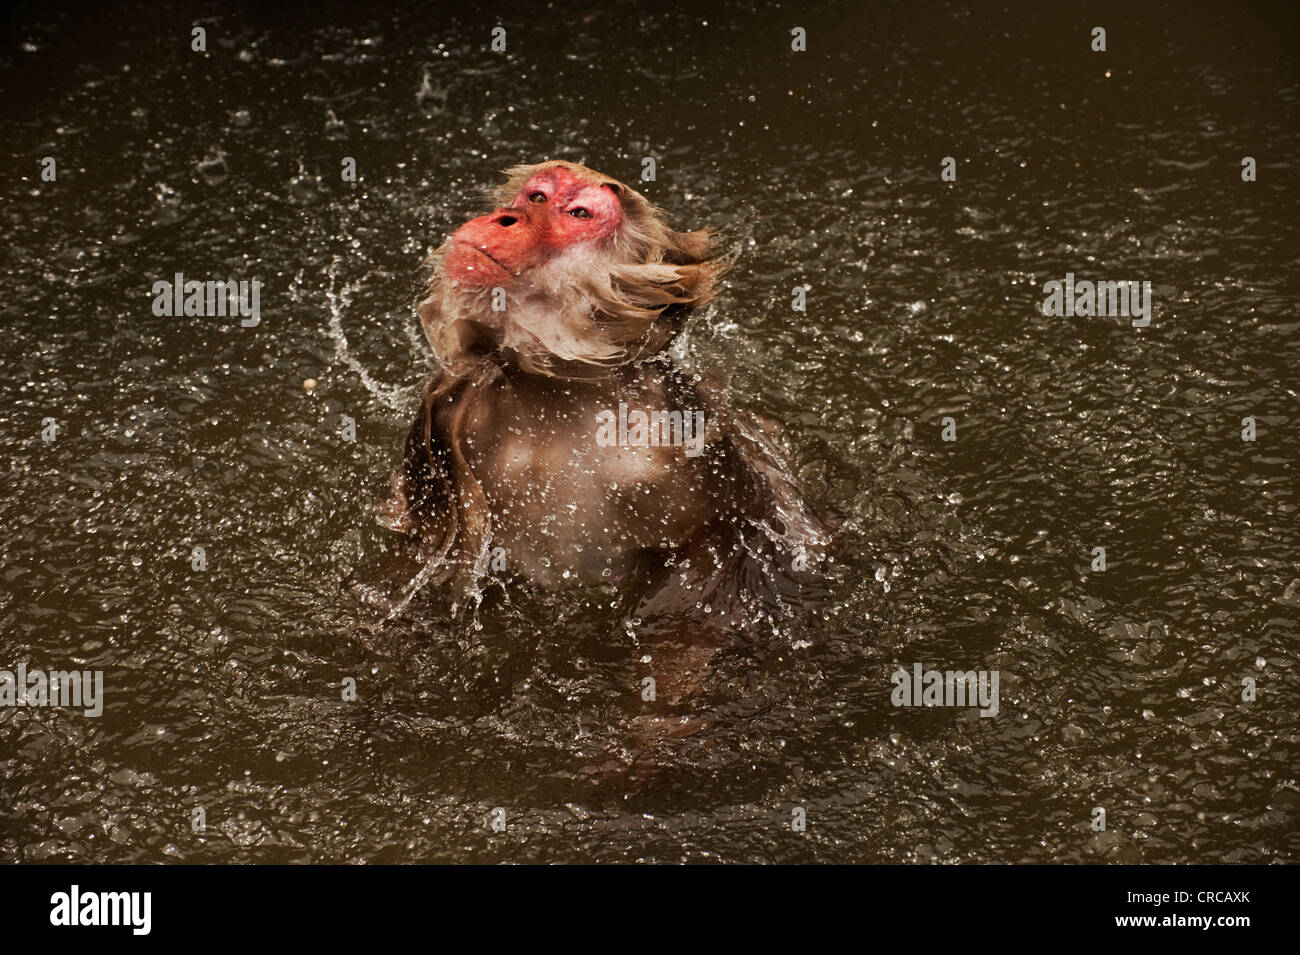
<point>1120,690</point>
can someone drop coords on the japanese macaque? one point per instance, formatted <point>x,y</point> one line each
<point>558,435</point>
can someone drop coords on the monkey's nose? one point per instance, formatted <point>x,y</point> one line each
<point>507,220</point>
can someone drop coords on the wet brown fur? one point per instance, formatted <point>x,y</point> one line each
<point>609,321</point>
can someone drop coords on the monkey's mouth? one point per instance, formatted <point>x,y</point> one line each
<point>487,255</point>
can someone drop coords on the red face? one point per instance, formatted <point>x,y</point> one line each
<point>554,211</point>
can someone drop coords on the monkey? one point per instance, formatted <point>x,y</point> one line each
<point>559,432</point>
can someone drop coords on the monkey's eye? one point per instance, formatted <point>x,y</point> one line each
<point>537,197</point>
<point>580,213</point>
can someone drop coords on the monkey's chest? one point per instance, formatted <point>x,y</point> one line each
<point>569,501</point>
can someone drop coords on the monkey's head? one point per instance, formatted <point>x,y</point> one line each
<point>571,274</point>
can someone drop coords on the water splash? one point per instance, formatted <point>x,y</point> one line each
<point>394,397</point>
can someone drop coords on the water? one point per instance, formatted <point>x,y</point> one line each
<point>1119,690</point>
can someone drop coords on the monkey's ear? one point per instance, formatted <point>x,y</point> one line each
<point>617,188</point>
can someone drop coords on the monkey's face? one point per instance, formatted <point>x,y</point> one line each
<point>592,276</point>
<point>555,212</point>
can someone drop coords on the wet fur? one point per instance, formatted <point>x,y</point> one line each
<point>604,317</point>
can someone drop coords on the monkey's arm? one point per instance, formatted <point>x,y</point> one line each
<point>414,490</point>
